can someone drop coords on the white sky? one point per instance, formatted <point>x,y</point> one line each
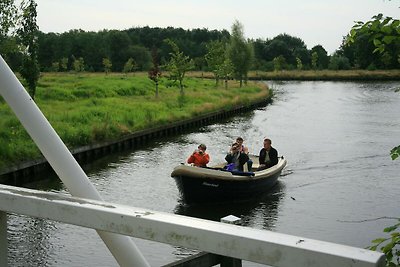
<point>323,22</point>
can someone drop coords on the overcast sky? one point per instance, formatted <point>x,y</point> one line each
<point>323,22</point>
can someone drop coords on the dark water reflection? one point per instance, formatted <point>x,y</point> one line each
<point>339,182</point>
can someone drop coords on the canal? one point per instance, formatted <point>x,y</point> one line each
<point>340,184</point>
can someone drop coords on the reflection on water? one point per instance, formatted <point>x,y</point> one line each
<point>259,212</point>
<point>336,137</point>
<point>29,241</point>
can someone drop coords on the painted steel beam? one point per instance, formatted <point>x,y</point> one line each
<point>240,242</point>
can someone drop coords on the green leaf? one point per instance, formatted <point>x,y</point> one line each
<point>395,152</point>
<point>387,29</point>
<point>390,228</point>
<point>388,39</point>
<point>377,42</point>
<point>379,240</point>
<point>388,248</point>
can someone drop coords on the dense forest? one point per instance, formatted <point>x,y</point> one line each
<point>81,50</point>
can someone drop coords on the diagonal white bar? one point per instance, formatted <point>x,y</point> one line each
<point>239,242</point>
<point>60,158</point>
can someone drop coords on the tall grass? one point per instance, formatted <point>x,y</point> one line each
<point>91,108</point>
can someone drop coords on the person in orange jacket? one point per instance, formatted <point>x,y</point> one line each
<point>199,157</point>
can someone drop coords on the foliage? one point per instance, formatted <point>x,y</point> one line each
<point>27,33</point>
<point>314,60</point>
<point>178,65</point>
<point>279,63</point>
<point>154,73</point>
<point>79,64</point>
<point>225,70</point>
<point>389,246</point>
<point>338,62</point>
<point>299,64</point>
<point>282,45</point>
<point>395,152</point>
<point>7,12</point>
<point>240,52</point>
<point>129,66</point>
<point>107,65</point>
<point>215,58</point>
<point>381,35</point>
<point>322,57</point>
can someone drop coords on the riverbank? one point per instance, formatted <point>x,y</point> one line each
<point>90,110</point>
<point>317,75</point>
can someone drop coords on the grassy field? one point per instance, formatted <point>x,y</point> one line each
<point>89,108</point>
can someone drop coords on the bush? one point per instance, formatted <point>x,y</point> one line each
<point>339,63</point>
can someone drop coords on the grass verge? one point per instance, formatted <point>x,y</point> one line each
<point>89,108</point>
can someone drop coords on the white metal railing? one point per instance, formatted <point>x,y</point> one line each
<point>235,241</point>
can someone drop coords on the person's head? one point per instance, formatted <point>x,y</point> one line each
<point>235,147</point>
<point>267,143</point>
<point>202,148</point>
<point>239,140</point>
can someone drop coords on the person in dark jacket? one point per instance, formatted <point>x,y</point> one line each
<point>268,155</point>
<point>236,158</point>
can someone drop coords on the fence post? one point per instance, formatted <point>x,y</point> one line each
<point>227,261</point>
<point>61,160</point>
<point>3,238</point>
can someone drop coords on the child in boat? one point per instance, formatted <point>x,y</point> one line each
<point>199,157</point>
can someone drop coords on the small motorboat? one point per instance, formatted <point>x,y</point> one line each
<point>215,184</point>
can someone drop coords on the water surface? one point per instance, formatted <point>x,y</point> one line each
<point>340,184</point>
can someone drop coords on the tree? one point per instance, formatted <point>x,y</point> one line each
<point>178,65</point>
<point>129,66</point>
<point>107,65</point>
<point>322,58</point>
<point>27,33</point>
<point>78,64</point>
<point>382,34</point>
<point>215,58</point>
<point>225,71</point>
<point>64,64</point>
<point>118,48</point>
<point>314,60</point>
<point>154,73</point>
<point>8,12</point>
<point>279,63</point>
<point>240,52</point>
<point>299,64</point>
<point>338,62</point>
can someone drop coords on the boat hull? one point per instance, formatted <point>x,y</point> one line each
<point>204,186</point>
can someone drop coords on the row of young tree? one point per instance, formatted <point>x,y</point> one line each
<point>130,50</point>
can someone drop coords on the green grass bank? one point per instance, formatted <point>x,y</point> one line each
<point>90,108</point>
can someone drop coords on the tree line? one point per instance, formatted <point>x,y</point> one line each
<point>110,50</point>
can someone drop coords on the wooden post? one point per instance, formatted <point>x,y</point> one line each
<point>3,239</point>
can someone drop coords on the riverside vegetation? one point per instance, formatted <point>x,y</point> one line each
<point>88,108</point>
